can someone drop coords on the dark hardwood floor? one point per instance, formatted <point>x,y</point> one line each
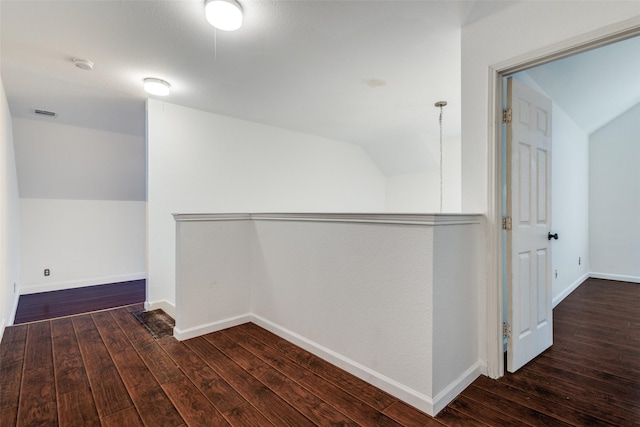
<point>105,369</point>
<point>49,305</point>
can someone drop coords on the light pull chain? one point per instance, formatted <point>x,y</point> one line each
<point>441,104</point>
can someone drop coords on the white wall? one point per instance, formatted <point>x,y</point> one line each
<point>520,33</point>
<point>362,290</point>
<point>57,161</point>
<point>213,265</point>
<point>614,179</point>
<point>569,200</point>
<point>569,204</point>
<point>204,162</point>
<point>9,218</point>
<point>420,192</point>
<point>83,210</point>
<point>81,242</point>
<point>390,298</point>
<point>509,36</point>
<point>412,193</point>
<point>458,264</point>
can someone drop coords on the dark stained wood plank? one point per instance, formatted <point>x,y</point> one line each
<point>38,350</point>
<point>608,360</point>
<point>112,336</point>
<point>38,397</point>
<point>152,404</point>
<point>110,393</point>
<point>591,376</point>
<point>507,406</point>
<point>615,389</point>
<point>345,402</point>
<point>301,399</point>
<point>451,417</point>
<point>14,341</point>
<point>305,401</point>
<point>192,405</point>
<point>224,397</point>
<point>409,416</point>
<point>575,396</point>
<point>163,368</point>
<point>9,416</point>
<point>138,336</point>
<point>12,352</point>
<point>271,356</point>
<point>587,360</point>
<point>266,401</point>
<point>534,401</point>
<point>247,416</point>
<point>617,384</point>
<point>11,376</point>
<point>49,305</point>
<point>69,366</point>
<point>77,408</point>
<point>489,415</point>
<point>365,391</point>
<point>127,417</point>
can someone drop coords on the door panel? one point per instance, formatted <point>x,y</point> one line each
<point>529,308</point>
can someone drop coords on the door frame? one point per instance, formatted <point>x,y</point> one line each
<point>497,72</point>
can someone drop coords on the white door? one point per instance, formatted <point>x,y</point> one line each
<point>529,309</point>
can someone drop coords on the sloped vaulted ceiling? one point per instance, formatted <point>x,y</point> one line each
<point>365,72</point>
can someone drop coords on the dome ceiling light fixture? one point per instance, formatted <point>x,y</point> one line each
<point>224,15</point>
<point>157,87</point>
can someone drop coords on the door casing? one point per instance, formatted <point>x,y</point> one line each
<point>591,40</point>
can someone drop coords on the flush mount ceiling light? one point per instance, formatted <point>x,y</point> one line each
<point>223,14</point>
<point>156,86</point>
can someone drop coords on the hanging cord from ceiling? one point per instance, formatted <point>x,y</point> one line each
<point>440,104</point>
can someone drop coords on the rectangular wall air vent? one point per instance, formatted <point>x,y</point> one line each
<point>45,113</point>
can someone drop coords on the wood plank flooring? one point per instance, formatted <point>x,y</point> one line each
<point>105,369</point>
<point>50,305</point>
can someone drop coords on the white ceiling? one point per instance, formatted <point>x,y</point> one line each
<point>596,86</point>
<point>366,72</point>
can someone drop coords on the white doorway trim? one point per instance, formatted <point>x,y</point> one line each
<point>607,35</point>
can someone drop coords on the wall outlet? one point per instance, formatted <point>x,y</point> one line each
<point>579,260</point>
<point>47,272</point>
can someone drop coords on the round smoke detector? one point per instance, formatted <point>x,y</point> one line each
<point>83,64</point>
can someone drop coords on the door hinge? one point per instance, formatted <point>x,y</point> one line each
<point>506,115</point>
<point>506,223</point>
<point>506,330</point>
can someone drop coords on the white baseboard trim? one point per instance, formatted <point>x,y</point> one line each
<point>414,398</point>
<point>14,310</point>
<point>208,328</point>
<point>163,305</point>
<point>618,277</point>
<point>557,300</point>
<point>80,283</point>
<point>2,326</point>
<point>12,316</point>
<point>450,392</point>
<point>406,394</point>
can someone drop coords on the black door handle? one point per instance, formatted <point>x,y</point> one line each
<point>553,236</point>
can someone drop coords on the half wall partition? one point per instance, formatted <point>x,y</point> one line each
<point>393,299</point>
